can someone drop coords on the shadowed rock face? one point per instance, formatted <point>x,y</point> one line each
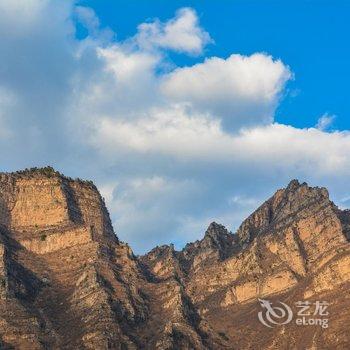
<point>67,282</point>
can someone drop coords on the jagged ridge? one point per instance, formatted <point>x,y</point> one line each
<point>67,282</point>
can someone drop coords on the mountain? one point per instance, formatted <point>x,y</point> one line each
<point>68,282</point>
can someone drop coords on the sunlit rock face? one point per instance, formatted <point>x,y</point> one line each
<point>67,282</point>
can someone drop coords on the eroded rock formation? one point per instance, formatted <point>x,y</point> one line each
<point>67,282</point>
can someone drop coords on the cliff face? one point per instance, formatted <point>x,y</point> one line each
<point>63,278</point>
<point>43,199</point>
<point>67,282</point>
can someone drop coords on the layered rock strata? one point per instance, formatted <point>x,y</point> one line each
<point>67,282</point>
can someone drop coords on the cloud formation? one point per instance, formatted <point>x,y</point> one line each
<point>241,90</point>
<point>171,147</point>
<point>325,121</point>
<point>181,33</point>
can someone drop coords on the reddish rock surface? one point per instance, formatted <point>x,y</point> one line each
<point>67,282</point>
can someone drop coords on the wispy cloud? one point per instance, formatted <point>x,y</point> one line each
<point>325,121</point>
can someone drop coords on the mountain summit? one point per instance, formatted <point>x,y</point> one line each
<point>67,282</point>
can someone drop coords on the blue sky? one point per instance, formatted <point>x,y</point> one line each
<point>181,112</point>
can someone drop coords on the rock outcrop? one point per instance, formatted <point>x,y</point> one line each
<point>67,282</point>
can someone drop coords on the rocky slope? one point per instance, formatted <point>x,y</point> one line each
<point>67,282</point>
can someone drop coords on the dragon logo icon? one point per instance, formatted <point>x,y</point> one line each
<point>274,315</point>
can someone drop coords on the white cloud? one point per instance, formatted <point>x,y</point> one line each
<point>182,33</point>
<point>129,66</point>
<point>325,121</point>
<point>243,90</point>
<point>181,136</point>
<point>306,151</point>
<point>88,18</point>
<point>169,132</point>
<point>20,18</point>
<point>25,11</point>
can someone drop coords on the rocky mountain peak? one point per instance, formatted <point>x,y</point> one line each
<point>296,191</point>
<point>217,244</point>
<point>218,238</point>
<point>295,201</point>
<point>215,230</point>
<point>40,199</point>
<point>294,185</point>
<point>162,252</point>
